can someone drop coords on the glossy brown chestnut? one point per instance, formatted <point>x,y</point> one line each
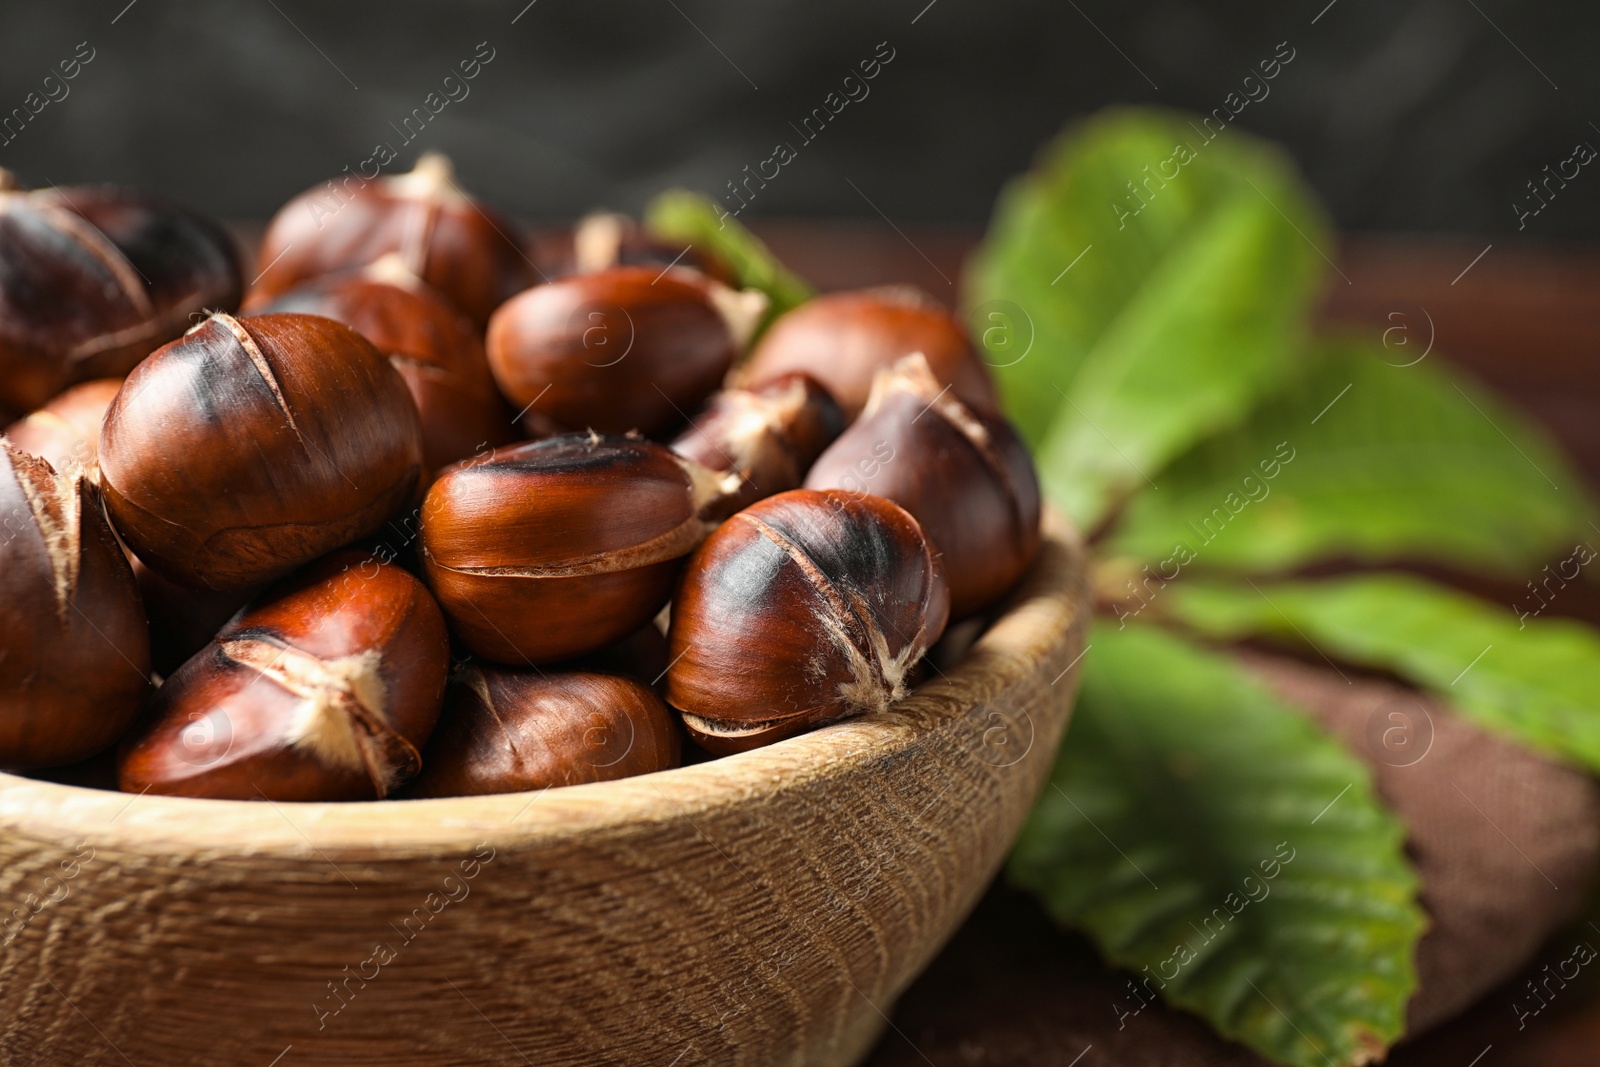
<point>604,239</point>
<point>250,447</point>
<point>65,433</point>
<point>325,690</point>
<point>556,548</point>
<point>769,435</point>
<point>95,278</point>
<point>506,731</point>
<point>433,346</point>
<point>453,242</point>
<point>964,474</point>
<point>844,339</point>
<point>805,608</point>
<point>74,645</point>
<point>631,348</point>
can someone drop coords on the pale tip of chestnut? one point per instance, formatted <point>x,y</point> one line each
<point>391,268</point>
<point>707,488</point>
<point>755,415</point>
<point>597,241</point>
<point>341,718</point>
<point>741,310</point>
<point>911,373</point>
<point>431,178</point>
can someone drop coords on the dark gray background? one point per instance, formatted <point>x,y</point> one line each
<point>1406,116</point>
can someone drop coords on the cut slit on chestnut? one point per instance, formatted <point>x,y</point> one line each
<point>803,609</point>
<point>342,721</point>
<point>76,645</point>
<point>326,689</point>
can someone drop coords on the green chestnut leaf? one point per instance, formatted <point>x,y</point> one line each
<point>1141,289</point>
<point>1217,845</point>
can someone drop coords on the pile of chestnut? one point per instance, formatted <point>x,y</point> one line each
<point>433,510</point>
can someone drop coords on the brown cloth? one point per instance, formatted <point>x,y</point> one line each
<point>1505,842</point>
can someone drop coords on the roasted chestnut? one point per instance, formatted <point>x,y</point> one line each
<point>435,349</point>
<point>802,609</point>
<point>250,447</point>
<point>844,339</point>
<point>604,239</point>
<point>66,432</point>
<point>448,239</point>
<point>769,435</point>
<point>552,549</point>
<point>325,690</point>
<point>95,278</point>
<point>506,731</point>
<point>631,348</point>
<point>964,474</point>
<point>74,645</point>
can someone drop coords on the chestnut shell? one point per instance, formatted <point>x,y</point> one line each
<point>95,278</point>
<point>325,690</point>
<point>66,432</point>
<point>252,446</point>
<point>506,731</point>
<point>555,548</point>
<point>844,339</point>
<point>803,609</point>
<point>631,348</point>
<point>452,241</point>
<point>76,647</point>
<point>769,435</point>
<point>966,475</point>
<point>434,347</point>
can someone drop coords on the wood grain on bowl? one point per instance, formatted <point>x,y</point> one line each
<point>763,909</point>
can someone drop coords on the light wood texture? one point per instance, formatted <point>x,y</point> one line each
<point>762,909</point>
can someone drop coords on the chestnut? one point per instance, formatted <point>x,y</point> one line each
<point>66,432</point>
<point>605,239</point>
<point>95,278</point>
<point>769,435</point>
<point>506,731</point>
<point>630,348</point>
<point>327,689</point>
<point>805,608</point>
<point>250,447</point>
<point>844,339</point>
<point>462,248</point>
<point>433,346</point>
<point>964,474</point>
<point>74,645</point>
<point>555,548</point>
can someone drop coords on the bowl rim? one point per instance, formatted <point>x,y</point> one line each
<point>1051,602</point>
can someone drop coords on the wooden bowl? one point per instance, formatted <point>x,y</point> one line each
<point>762,909</point>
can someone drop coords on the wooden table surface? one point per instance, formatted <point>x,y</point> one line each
<point>1012,989</point>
